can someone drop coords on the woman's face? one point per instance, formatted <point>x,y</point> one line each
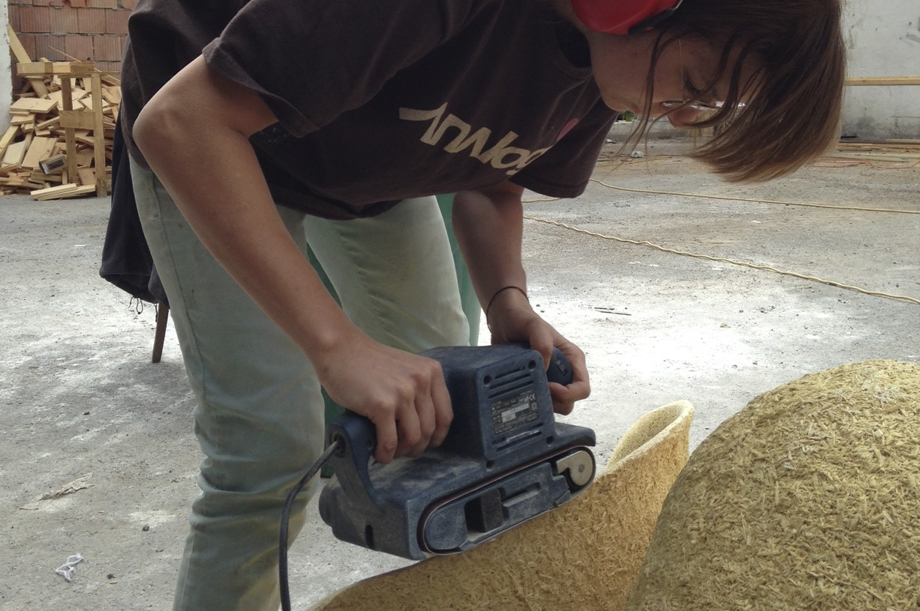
<point>621,65</point>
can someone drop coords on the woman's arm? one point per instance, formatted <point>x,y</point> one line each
<point>489,228</point>
<point>195,134</point>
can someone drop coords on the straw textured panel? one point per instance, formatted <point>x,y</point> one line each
<point>584,555</point>
<point>809,498</point>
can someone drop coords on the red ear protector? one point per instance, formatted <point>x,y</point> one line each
<point>623,16</point>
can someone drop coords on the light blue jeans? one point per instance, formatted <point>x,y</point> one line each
<point>259,417</point>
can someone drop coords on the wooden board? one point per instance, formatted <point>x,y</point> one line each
<point>87,176</point>
<point>84,160</point>
<point>38,150</point>
<point>49,123</point>
<point>11,133</point>
<point>33,105</point>
<point>15,152</point>
<point>21,55</point>
<point>869,156</point>
<point>58,190</point>
<point>77,119</point>
<point>64,69</point>
<point>78,192</point>
<point>112,94</point>
<point>882,81</point>
<point>61,191</point>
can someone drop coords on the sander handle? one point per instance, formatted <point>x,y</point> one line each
<point>357,438</point>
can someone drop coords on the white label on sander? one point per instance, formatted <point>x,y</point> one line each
<point>509,414</point>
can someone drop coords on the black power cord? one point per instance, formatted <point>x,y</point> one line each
<point>286,516</point>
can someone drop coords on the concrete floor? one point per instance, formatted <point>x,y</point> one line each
<point>79,397</point>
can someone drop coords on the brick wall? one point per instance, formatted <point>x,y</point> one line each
<point>69,30</point>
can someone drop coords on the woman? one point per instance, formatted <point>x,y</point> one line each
<point>259,128</point>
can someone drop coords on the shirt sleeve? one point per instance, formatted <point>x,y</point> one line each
<point>564,170</point>
<point>312,60</point>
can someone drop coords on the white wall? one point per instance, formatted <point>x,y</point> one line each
<point>6,75</point>
<point>882,39</point>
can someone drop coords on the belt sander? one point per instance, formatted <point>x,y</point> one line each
<point>505,460</point>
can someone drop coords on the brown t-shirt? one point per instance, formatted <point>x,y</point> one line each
<point>380,100</point>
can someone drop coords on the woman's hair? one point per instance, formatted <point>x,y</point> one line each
<point>792,114</point>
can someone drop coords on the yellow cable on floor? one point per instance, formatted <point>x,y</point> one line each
<point>723,260</point>
<point>744,199</point>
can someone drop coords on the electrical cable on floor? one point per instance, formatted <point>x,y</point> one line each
<point>286,517</point>
<point>724,260</point>
<point>849,162</point>
<point>745,199</point>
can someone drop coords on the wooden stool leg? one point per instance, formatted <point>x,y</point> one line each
<point>160,336</point>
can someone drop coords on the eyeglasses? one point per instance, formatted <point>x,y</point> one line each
<point>691,105</point>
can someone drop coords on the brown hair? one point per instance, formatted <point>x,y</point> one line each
<point>793,115</point>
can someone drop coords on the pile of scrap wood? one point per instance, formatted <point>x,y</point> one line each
<point>56,147</point>
<point>898,151</point>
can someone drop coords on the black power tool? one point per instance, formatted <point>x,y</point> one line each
<point>505,460</point>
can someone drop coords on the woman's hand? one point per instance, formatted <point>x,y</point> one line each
<point>511,319</point>
<point>404,395</point>
<point>489,227</point>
